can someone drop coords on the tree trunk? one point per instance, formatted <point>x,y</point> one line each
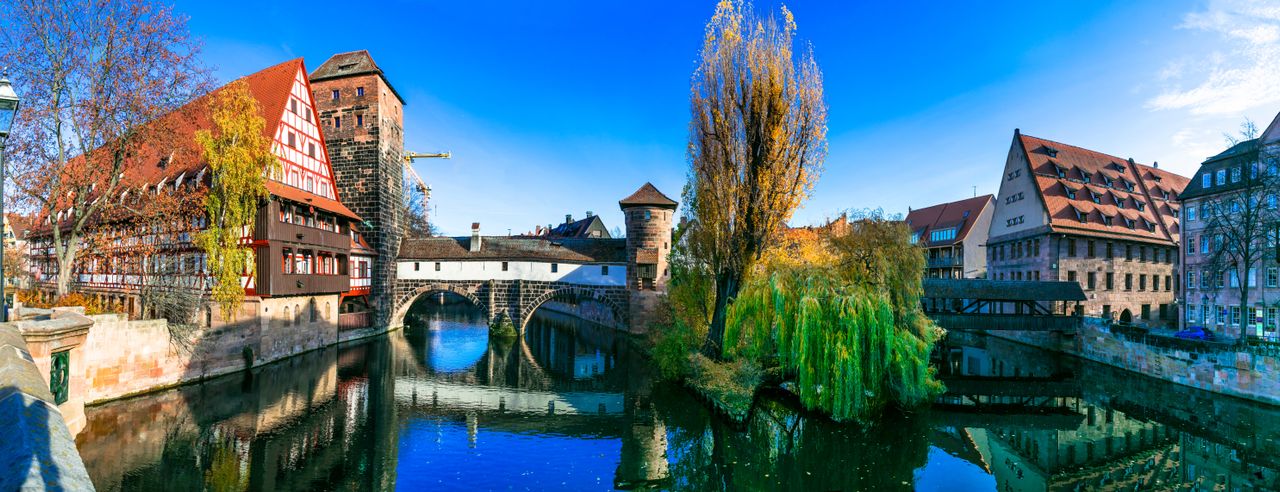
<point>727,283</point>
<point>66,259</point>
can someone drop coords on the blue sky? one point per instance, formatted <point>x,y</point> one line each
<point>554,108</point>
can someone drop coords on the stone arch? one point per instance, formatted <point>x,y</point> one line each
<point>405,301</point>
<point>577,292</point>
<point>1126,316</point>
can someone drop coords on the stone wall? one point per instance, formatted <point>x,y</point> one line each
<point>1220,368</point>
<point>125,357</point>
<point>38,451</point>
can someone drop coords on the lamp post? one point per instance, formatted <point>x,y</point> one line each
<point>8,110</point>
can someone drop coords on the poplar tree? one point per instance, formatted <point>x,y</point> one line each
<point>757,141</point>
<point>239,158</point>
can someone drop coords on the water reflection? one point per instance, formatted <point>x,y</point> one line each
<point>569,407</point>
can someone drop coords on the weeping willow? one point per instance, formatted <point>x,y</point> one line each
<point>848,351</point>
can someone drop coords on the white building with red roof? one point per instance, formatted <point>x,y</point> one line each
<point>954,236</point>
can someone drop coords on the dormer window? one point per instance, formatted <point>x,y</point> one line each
<point>1235,175</point>
<point>1222,177</point>
<point>1165,194</point>
<point>1118,200</point>
<point>1106,180</point>
<point>1062,172</point>
<point>1139,205</point>
<point>1127,184</point>
<point>1106,220</point>
<point>1129,223</point>
<point>1050,151</point>
<point>1081,215</point>
<point>1084,176</point>
<point>1070,192</point>
<point>1096,198</point>
<point>1206,181</point>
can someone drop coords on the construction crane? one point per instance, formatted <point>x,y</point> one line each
<point>422,185</point>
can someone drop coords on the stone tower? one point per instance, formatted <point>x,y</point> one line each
<point>361,117</point>
<point>649,215</point>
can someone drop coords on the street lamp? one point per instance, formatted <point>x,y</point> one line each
<point>8,110</point>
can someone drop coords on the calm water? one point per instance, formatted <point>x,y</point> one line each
<point>437,406</point>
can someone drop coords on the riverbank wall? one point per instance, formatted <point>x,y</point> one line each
<point>109,356</point>
<point>1242,371</point>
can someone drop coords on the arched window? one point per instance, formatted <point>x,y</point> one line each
<point>297,313</point>
<point>287,319</point>
<point>326,311</point>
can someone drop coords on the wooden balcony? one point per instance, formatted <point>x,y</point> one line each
<point>353,321</point>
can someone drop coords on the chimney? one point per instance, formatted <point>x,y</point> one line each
<point>568,218</point>
<point>475,237</point>
<point>1156,164</point>
<point>589,214</point>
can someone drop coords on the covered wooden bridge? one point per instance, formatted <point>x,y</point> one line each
<point>978,304</point>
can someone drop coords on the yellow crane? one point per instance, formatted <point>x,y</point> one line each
<point>422,185</point>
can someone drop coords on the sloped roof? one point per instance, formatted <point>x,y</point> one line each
<point>180,155</point>
<point>515,248</point>
<point>578,228</point>
<point>647,195</point>
<point>1235,156</point>
<point>959,214</point>
<point>350,64</point>
<point>1089,172</point>
<point>1002,290</point>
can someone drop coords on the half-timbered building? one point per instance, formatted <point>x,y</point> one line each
<point>307,256</point>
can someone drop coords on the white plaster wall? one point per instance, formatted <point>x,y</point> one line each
<point>575,273</point>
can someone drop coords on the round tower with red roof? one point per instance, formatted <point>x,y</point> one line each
<point>648,215</point>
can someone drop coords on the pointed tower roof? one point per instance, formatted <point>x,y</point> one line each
<point>350,64</point>
<point>647,195</point>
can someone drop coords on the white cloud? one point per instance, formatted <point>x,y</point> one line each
<point>1236,79</point>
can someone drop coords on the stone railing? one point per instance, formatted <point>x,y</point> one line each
<point>38,451</point>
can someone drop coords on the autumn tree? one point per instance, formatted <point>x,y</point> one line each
<point>757,141</point>
<point>1242,216</point>
<point>90,74</point>
<point>239,158</point>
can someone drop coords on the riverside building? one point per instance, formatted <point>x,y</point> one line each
<point>953,236</point>
<point>1109,223</point>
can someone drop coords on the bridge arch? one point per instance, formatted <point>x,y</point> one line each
<point>575,293</point>
<point>406,300</point>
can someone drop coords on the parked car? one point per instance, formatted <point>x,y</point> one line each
<point>1195,333</point>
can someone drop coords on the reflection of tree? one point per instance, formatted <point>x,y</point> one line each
<point>783,447</point>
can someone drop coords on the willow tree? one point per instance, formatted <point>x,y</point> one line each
<point>239,158</point>
<point>757,141</point>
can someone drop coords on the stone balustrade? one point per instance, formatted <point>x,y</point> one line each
<point>38,451</point>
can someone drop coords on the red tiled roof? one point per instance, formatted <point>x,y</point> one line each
<point>307,198</point>
<point>960,214</point>
<point>515,248</point>
<point>1047,158</point>
<point>647,195</point>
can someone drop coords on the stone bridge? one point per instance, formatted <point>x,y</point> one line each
<point>514,299</point>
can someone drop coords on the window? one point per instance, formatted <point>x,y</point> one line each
<point>293,106</point>
<point>1204,246</point>
<point>311,149</point>
<point>1235,175</point>
<point>504,266</point>
<point>555,267</point>
<point>1191,313</point>
<point>1191,280</point>
<point>293,140</point>
<point>604,270</point>
<point>1142,282</point>
<point>336,94</point>
<point>1015,174</point>
<point>1128,281</point>
<point>1191,245</point>
<point>416,266</point>
<point>1191,213</point>
<point>1273,277</point>
<point>1234,279</point>
<point>437,266</point>
<point>648,215</point>
<point>337,122</point>
<point>360,120</point>
<point>1235,315</point>
<point>286,262</point>
<point>1252,277</point>
<point>1206,181</point>
<point>1168,283</point>
<point>1071,247</point>
<point>943,234</point>
<point>359,91</point>
<point>306,114</point>
<point>1093,280</point>
<point>1092,252</point>
<point>1111,281</point>
<point>1071,276</point>
<point>1222,177</point>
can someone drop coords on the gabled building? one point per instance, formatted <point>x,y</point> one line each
<point>1109,223</point>
<point>1235,186</point>
<point>302,239</point>
<point>953,236</point>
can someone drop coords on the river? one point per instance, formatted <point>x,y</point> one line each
<point>438,406</point>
